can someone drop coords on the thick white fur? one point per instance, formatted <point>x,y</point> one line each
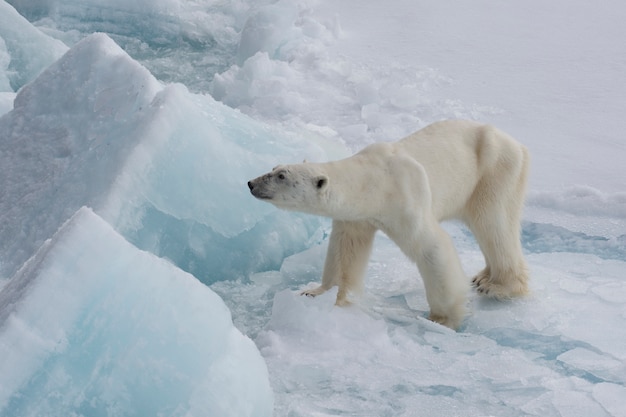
<point>448,170</point>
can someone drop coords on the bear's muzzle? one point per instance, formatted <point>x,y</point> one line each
<point>257,189</point>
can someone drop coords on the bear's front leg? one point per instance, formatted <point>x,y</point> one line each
<point>444,280</point>
<point>446,285</point>
<point>349,248</point>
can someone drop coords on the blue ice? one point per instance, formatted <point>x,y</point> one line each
<point>93,326</point>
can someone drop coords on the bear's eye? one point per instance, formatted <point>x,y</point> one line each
<point>281,176</point>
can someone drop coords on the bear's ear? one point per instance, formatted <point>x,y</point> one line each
<point>320,181</point>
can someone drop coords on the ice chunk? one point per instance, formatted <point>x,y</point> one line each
<point>166,168</point>
<point>91,326</point>
<point>266,29</point>
<point>194,206</point>
<point>24,50</point>
<point>64,141</point>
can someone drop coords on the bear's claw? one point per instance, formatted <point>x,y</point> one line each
<point>312,292</point>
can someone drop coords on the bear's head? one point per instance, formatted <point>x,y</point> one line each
<point>299,187</point>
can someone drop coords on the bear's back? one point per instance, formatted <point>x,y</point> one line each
<point>449,153</point>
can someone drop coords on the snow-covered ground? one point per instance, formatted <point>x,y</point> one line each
<point>104,327</point>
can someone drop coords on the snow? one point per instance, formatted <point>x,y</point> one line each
<point>553,73</point>
<point>158,122</point>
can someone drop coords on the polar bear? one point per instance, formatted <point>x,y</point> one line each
<point>451,169</point>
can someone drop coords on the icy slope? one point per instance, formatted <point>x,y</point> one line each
<point>93,326</point>
<point>166,168</point>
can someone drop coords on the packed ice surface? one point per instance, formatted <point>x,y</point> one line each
<point>91,325</point>
<point>543,355</point>
<point>347,73</point>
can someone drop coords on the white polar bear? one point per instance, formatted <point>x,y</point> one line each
<point>449,170</point>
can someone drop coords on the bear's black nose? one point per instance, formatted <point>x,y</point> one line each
<point>250,185</point>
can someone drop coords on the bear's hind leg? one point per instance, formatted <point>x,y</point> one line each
<point>505,275</point>
<point>494,217</point>
<point>349,248</point>
<point>504,284</point>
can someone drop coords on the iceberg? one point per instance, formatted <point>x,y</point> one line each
<point>93,326</point>
<point>166,168</point>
